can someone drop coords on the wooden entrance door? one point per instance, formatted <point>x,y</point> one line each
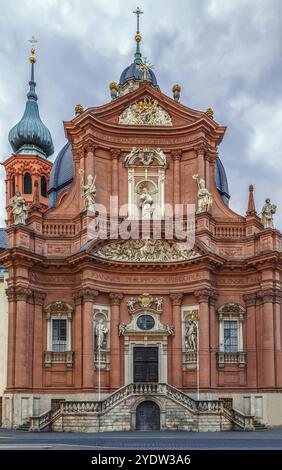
<point>145,364</point>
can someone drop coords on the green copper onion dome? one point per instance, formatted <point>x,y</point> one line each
<point>30,135</point>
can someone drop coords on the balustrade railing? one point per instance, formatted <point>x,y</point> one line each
<point>225,231</point>
<point>57,230</point>
<point>197,406</point>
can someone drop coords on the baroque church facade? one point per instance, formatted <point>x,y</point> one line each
<point>110,329</point>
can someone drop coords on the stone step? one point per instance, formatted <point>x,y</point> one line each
<point>259,426</point>
<point>24,426</point>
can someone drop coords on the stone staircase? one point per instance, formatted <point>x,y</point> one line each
<point>117,412</point>
<point>25,426</point>
<point>258,426</point>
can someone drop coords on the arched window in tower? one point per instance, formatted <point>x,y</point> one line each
<point>13,185</point>
<point>43,186</point>
<point>27,184</point>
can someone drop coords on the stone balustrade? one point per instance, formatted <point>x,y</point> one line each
<point>65,357</point>
<point>236,358</point>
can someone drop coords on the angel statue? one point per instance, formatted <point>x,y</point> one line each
<point>205,198</point>
<point>19,209</point>
<point>146,203</point>
<point>267,214</point>
<point>89,191</point>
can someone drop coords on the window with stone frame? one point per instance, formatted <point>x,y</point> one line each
<point>59,335</point>
<point>231,344</point>
<point>59,340</point>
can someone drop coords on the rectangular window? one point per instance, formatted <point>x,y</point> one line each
<point>230,336</point>
<point>59,335</point>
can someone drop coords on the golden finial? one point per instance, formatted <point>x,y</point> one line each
<point>209,112</point>
<point>138,37</point>
<point>113,86</point>
<point>78,109</point>
<point>32,57</point>
<point>176,87</point>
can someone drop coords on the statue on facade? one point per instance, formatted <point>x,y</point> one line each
<point>131,304</point>
<point>205,198</point>
<point>121,328</point>
<point>101,332</point>
<point>159,303</point>
<point>19,209</point>
<point>267,214</point>
<point>146,204</point>
<point>191,335</point>
<point>170,329</point>
<point>89,191</point>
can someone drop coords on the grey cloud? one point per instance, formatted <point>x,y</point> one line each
<point>225,54</point>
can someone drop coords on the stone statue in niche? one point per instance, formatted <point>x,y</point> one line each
<point>146,204</point>
<point>267,214</point>
<point>89,191</point>
<point>205,198</point>
<point>146,201</point>
<point>101,332</point>
<point>191,332</point>
<point>19,209</point>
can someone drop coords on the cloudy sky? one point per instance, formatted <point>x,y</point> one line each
<point>226,54</point>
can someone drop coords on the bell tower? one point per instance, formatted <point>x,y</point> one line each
<point>27,169</point>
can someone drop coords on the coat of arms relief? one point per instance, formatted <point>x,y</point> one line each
<point>145,112</point>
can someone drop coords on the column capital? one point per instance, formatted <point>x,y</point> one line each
<point>115,298</point>
<point>250,299</point>
<point>23,293</point>
<point>270,295</point>
<point>201,148</point>
<point>86,293</point>
<point>115,154</point>
<point>89,146</point>
<point>213,297</point>
<point>39,297</point>
<point>204,295</point>
<point>176,154</point>
<point>176,299</point>
<point>11,293</point>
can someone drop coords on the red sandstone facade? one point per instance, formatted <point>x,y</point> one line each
<point>54,273</point>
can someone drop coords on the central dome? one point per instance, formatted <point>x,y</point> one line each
<point>134,72</point>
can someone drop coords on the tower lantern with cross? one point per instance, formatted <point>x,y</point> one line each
<point>27,169</point>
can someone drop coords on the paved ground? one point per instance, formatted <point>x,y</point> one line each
<point>269,439</point>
